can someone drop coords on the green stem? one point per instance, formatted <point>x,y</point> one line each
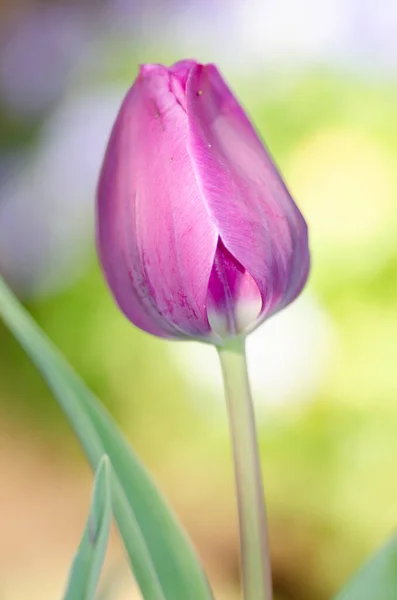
<point>255,559</point>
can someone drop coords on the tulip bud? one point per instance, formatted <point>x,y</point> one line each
<point>196,232</point>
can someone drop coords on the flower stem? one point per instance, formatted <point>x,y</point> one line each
<point>255,559</point>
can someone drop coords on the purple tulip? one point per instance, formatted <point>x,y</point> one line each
<point>196,232</point>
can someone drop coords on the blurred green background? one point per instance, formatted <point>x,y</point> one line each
<point>320,83</point>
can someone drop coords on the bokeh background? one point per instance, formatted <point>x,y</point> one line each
<point>320,82</point>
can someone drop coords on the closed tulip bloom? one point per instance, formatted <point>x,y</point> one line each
<point>197,234</point>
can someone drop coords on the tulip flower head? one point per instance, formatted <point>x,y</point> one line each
<point>197,234</point>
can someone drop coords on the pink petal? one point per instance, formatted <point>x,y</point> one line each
<point>156,238</point>
<point>179,75</point>
<point>257,220</point>
<point>234,301</point>
<point>181,69</point>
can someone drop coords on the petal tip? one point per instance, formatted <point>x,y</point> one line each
<point>145,70</point>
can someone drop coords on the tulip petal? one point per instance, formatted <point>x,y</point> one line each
<point>181,70</point>
<point>257,219</point>
<point>234,301</point>
<point>155,235</point>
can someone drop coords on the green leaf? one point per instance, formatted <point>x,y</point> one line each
<point>87,564</point>
<point>160,547</point>
<point>376,580</point>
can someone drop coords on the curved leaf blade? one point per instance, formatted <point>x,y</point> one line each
<point>167,548</point>
<point>88,562</point>
<point>377,579</point>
